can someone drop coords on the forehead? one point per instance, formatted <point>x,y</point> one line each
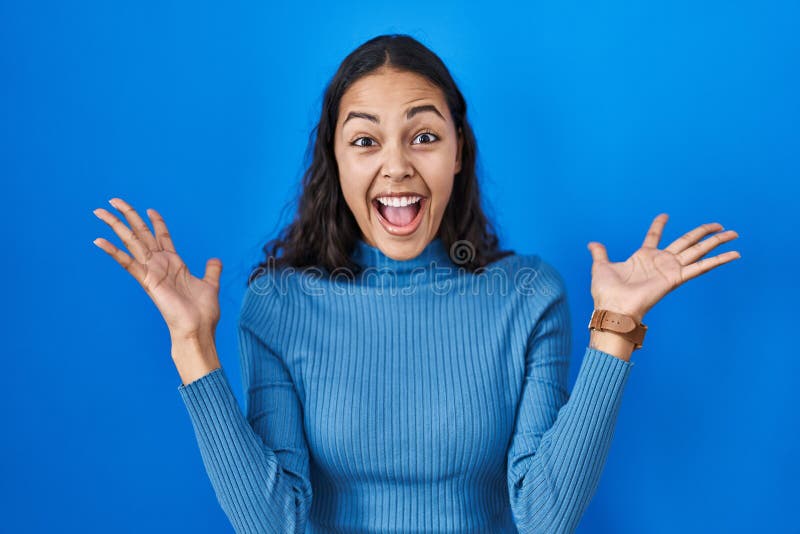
<point>388,89</point>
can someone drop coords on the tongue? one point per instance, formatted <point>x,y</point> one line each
<point>400,216</point>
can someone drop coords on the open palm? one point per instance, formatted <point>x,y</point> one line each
<point>189,305</point>
<point>634,286</point>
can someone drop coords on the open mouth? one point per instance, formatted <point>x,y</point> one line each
<point>398,219</point>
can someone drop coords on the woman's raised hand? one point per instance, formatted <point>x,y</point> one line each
<point>189,305</point>
<point>634,286</point>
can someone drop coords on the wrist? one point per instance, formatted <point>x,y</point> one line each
<point>624,310</point>
<point>194,356</point>
<point>611,343</point>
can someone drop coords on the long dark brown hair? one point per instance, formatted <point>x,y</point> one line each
<point>324,231</point>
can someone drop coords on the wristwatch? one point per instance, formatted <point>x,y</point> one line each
<point>624,325</point>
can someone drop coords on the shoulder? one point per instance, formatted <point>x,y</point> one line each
<point>543,296</point>
<point>262,299</point>
<point>271,291</point>
<point>531,276</point>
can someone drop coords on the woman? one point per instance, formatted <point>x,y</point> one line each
<point>438,404</point>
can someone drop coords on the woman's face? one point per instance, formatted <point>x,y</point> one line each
<point>394,134</point>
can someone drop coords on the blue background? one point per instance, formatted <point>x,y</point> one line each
<point>591,119</point>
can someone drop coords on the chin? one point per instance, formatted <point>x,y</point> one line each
<point>401,248</point>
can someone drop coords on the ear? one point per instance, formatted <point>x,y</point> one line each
<point>458,152</point>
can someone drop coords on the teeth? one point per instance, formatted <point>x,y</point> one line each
<point>398,201</point>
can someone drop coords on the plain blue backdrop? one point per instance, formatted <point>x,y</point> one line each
<point>590,118</point>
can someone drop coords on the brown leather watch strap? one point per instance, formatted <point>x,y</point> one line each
<point>624,325</point>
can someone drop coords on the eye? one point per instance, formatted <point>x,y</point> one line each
<point>356,142</point>
<point>428,134</point>
<point>370,142</point>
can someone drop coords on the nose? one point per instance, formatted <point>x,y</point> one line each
<point>397,165</point>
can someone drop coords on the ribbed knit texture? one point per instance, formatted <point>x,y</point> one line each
<point>419,398</point>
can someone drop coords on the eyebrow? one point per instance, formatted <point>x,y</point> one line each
<point>411,112</point>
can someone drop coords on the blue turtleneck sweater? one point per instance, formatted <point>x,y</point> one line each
<point>417,398</point>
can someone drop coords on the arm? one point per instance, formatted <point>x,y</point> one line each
<point>258,464</point>
<point>561,441</point>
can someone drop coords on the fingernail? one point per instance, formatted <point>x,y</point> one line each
<point>111,201</point>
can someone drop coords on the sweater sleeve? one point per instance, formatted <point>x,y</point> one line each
<point>561,441</point>
<point>258,463</point>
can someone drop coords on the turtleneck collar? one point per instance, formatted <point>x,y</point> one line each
<point>433,255</point>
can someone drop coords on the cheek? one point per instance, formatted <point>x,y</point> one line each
<point>353,170</point>
<point>355,194</point>
<point>440,179</point>
<point>442,193</point>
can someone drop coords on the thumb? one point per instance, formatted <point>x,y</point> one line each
<point>213,270</point>
<point>598,251</point>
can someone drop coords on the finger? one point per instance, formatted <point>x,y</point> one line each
<point>213,270</point>
<point>138,226</point>
<point>654,233</point>
<point>131,240</point>
<point>702,266</point>
<point>162,234</point>
<point>690,238</point>
<point>133,267</point>
<point>699,250</point>
<point>598,250</point>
